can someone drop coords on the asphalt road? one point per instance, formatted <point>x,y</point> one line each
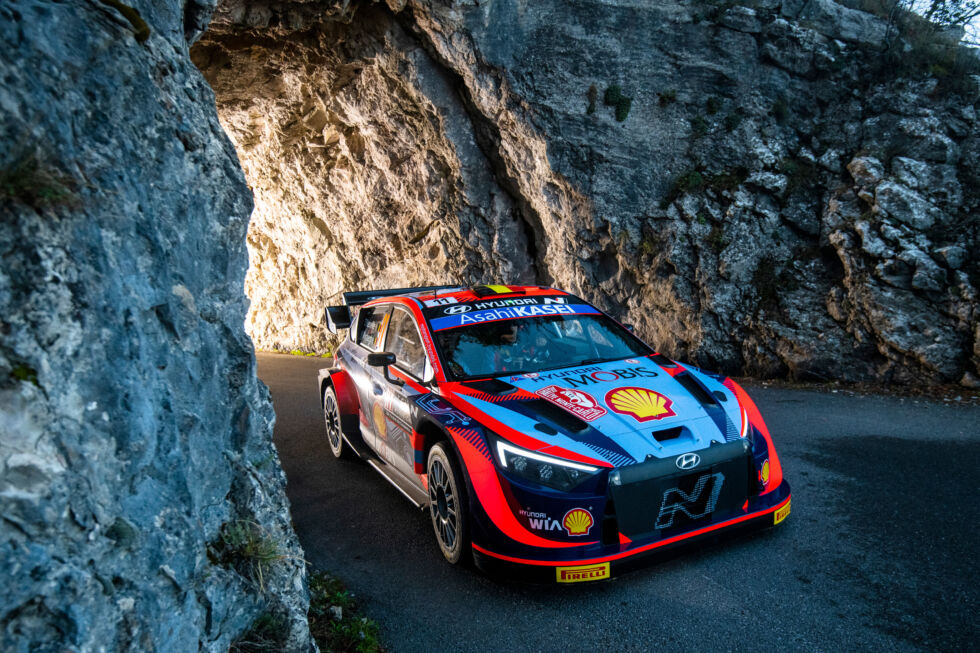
<point>881,551</point>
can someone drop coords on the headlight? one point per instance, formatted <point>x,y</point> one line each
<point>545,470</point>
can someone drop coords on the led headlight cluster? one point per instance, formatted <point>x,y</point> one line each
<point>545,470</point>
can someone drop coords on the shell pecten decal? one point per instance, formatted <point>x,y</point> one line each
<point>639,403</point>
<point>577,521</point>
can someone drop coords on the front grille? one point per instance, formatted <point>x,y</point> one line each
<point>656,498</point>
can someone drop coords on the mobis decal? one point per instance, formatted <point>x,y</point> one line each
<point>574,401</point>
<point>584,376</point>
<point>641,404</point>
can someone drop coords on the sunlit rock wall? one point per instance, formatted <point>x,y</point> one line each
<point>754,186</point>
<point>132,426</point>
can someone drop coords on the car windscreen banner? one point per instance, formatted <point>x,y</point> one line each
<point>458,314</point>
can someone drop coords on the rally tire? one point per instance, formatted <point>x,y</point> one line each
<point>331,418</point>
<point>448,504</point>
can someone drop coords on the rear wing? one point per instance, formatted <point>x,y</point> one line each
<point>339,317</point>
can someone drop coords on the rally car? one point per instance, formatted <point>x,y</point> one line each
<point>542,437</point>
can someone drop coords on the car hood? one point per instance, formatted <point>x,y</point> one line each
<point>621,411</point>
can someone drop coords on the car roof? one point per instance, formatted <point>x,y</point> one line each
<point>476,293</point>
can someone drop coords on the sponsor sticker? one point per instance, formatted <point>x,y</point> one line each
<point>764,473</point>
<point>463,316</point>
<point>584,376</point>
<point>582,573</point>
<point>574,401</point>
<point>540,521</point>
<point>782,513</point>
<point>578,521</point>
<point>639,403</point>
<point>378,415</point>
<point>440,408</point>
<point>439,301</point>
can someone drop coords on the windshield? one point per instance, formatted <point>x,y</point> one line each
<point>534,344</point>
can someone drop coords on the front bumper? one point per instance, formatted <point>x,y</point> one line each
<point>761,512</point>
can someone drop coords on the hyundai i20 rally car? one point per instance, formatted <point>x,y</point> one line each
<point>541,436</point>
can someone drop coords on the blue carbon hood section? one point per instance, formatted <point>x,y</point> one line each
<point>623,411</point>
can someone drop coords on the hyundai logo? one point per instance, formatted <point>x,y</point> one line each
<point>687,461</point>
<point>457,309</point>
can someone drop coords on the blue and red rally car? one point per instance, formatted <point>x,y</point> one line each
<point>542,436</point>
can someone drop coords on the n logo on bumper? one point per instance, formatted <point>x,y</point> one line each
<point>700,502</point>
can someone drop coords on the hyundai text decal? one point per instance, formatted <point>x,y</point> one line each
<point>700,502</point>
<point>507,313</point>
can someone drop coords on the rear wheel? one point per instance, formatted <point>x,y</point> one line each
<point>447,503</point>
<point>331,417</point>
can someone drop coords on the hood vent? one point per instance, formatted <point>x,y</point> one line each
<point>492,386</point>
<point>691,384</point>
<point>556,415</point>
<point>667,434</point>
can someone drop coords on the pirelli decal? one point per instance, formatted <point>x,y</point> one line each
<point>582,574</point>
<point>781,514</point>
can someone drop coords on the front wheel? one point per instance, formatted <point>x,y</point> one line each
<point>447,503</point>
<point>331,416</point>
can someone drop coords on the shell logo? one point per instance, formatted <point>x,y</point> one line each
<point>640,403</point>
<point>577,521</point>
<point>378,415</point>
<point>764,474</point>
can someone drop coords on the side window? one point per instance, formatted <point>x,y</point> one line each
<point>370,325</point>
<point>403,341</point>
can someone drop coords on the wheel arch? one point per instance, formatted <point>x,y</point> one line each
<point>431,433</point>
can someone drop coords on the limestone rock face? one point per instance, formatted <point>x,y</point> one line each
<point>750,186</point>
<point>134,436</point>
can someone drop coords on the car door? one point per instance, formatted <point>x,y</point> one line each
<point>371,324</point>
<point>411,364</point>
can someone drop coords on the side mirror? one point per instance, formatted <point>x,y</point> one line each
<point>384,359</point>
<point>381,359</point>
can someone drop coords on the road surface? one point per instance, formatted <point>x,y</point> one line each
<point>881,551</point>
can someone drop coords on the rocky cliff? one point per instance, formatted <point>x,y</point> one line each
<point>769,188</point>
<point>141,498</point>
